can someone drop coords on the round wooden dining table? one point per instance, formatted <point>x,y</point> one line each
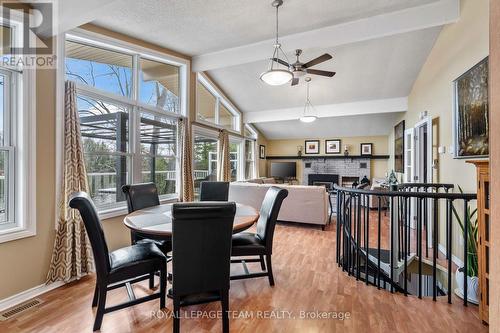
<point>157,220</point>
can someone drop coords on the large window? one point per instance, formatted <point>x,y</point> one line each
<point>17,140</point>
<point>235,158</point>
<point>128,105</point>
<point>214,108</point>
<point>205,149</point>
<point>250,150</point>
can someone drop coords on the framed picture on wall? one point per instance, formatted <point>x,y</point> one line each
<point>399,146</point>
<point>262,152</point>
<point>471,123</point>
<point>366,149</point>
<point>332,146</point>
<point>312,146</point>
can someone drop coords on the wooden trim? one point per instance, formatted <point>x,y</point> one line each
<point>113,34</point>
<point>329,157</point>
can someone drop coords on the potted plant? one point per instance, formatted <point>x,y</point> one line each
<point>472,263</point>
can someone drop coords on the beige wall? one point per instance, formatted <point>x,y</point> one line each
<point>458,47</point>
<point>289,148</point>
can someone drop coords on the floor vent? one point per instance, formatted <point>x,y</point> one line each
<point>20,308</point>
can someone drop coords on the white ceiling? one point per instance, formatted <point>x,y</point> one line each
<point>365,125</point>
<point>375,69</point>
<point>196,27</point>
<point>379,47</point>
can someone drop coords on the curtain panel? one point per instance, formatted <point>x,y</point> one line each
<point>186,160</point>
<point>224,164</point>
<point>71,256</point>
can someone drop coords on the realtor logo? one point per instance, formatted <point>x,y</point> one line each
<point>28,40</point>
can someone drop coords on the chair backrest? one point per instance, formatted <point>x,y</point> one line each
<point>201,241</point>
<point>214,191</point>
<point>141,196</point>
<point>269,211</point>
<point>88,212</point>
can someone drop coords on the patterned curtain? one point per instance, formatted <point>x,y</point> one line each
<point>224,165</point>
<point>71,257</point>
<point>186,160</point>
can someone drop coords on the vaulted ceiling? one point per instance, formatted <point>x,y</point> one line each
<point>378,48</point>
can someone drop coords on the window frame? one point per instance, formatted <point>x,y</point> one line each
<point>136,107</point>
<point>220,98</point>
<point>22,145</point>
<point>240,163</point>
<point>254,137</point>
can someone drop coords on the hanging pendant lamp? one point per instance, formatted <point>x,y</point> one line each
<point>308,116</point>
<point>275,76</point>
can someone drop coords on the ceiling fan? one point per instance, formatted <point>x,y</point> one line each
<point>299,69</point>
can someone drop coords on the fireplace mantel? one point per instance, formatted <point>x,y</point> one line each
<point>328,157</point>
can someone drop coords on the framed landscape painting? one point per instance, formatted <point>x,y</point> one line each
<point>312,146</point>
<point>262,152</point>
<point>332,146</point>
<point>399,145</point>
<point>471,122</point>
<point>366,149</point>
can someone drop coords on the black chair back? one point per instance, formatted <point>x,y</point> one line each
<point>201,237</point>
<point>269,211</point>
<point>88,212</point>
<point>141,196</point>
<point>214,191</point>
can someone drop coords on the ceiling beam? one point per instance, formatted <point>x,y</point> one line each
<point>332,110</point>
<point>431,15</point>
<point>71,14</point>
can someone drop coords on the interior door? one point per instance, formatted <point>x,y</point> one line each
<point>409,156</point>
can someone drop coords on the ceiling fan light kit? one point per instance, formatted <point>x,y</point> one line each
<point>308,117</point>
<point>275,76</point>
<point>293,72</point>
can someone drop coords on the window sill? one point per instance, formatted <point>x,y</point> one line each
<point>122,210</point>
<point>15,234</point>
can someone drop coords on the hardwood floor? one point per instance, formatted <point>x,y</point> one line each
<point>307,279</point>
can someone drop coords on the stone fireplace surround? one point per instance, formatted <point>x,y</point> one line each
<point>347,168</point>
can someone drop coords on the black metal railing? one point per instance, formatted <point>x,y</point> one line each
<point>384,259</point>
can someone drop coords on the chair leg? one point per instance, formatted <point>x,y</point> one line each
<point>100,307</point>
<point>163,287</point>
<point>96,295</point>
<point>269,269</point>
<point>151,280</point>
<point>225,310</point>
<point>177,314</point>
<point>262,263</point>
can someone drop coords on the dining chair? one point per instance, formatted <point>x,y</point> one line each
<point>214,191</point>
<point>260,243</point>
<point>140,196</point>
<point>201,242</point>
<point>126,265</point>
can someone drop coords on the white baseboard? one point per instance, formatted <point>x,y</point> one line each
<point>28,294</point>
<point>454,258</point>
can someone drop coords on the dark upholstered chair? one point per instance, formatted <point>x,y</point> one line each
<point>214,191</point>
<point>141,196</point>
<point>201,239</point>
<point>261,243</point>
<point>132,264</point>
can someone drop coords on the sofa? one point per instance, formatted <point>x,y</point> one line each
<point>304,204</point>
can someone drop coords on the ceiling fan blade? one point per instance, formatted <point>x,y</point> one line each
<point>284,63</point>
<point>319,72</point>
<point>295,81</point>
<point>318,60</point>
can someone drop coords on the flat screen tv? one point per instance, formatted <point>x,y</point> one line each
<point>284,169</point>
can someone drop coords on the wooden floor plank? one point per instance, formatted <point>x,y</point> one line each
<point>307,279</point>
